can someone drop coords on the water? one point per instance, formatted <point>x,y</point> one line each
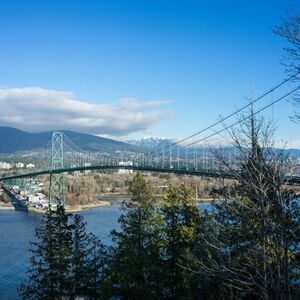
<point>17,229</point>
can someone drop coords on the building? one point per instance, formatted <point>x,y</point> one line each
<point>39,200</point>
<point>5,165</point>
<point>30,166</point>
<point>20,165</point>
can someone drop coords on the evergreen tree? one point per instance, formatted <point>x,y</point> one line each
<point>97,265</point>
<point>136,256</point>
<point>181,217</point>
<point>79,257</point>
<point>66,262</point>
<point>50,269</point>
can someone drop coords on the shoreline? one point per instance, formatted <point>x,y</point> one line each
<point>86,207</point>
<point>74,208</point>
<point>5,208</point>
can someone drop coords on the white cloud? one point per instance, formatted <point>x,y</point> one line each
<point>35,109</point>
<point>134,105</point>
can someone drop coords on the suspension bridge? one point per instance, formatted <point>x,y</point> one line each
<point>194,155</point>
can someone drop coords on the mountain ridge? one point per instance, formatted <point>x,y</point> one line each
<point>16,140</point>
<point>159,143</point>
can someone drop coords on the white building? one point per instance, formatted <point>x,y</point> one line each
<point>20,165</point>
<point>38,200</point>
<point>5,165</point>
<point>30,166</point>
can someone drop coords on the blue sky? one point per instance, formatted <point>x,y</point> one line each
<point>134,68</point>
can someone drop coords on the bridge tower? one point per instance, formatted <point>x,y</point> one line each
<point>56,187</point>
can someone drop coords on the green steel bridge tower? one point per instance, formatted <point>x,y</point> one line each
<point>56,187</point>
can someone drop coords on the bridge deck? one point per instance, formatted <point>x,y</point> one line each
<point>292,180</point>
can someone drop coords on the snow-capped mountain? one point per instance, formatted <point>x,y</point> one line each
<point>151,142</point>
<point>162,142</point>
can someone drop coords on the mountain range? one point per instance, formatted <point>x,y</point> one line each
<point>161,142</point>
<point>14,140</point>
<point>151,142</point>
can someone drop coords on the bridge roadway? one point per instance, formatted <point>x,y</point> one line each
<point>291,180</point>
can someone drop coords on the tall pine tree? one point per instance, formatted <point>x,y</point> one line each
<point>97,267</point>
<point>136,255</point>
<point>50,265</point>
<point>180,219</point>
<point>79,257</point>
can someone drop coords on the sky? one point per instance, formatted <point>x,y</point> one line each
<point>127,69</point>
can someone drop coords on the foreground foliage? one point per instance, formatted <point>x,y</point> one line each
<point>246,246</point>
<point>66,261</point>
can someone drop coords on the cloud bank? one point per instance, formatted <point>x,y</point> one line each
<point>35,109</point>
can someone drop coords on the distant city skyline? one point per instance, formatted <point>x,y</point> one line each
<point>128,69</point>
